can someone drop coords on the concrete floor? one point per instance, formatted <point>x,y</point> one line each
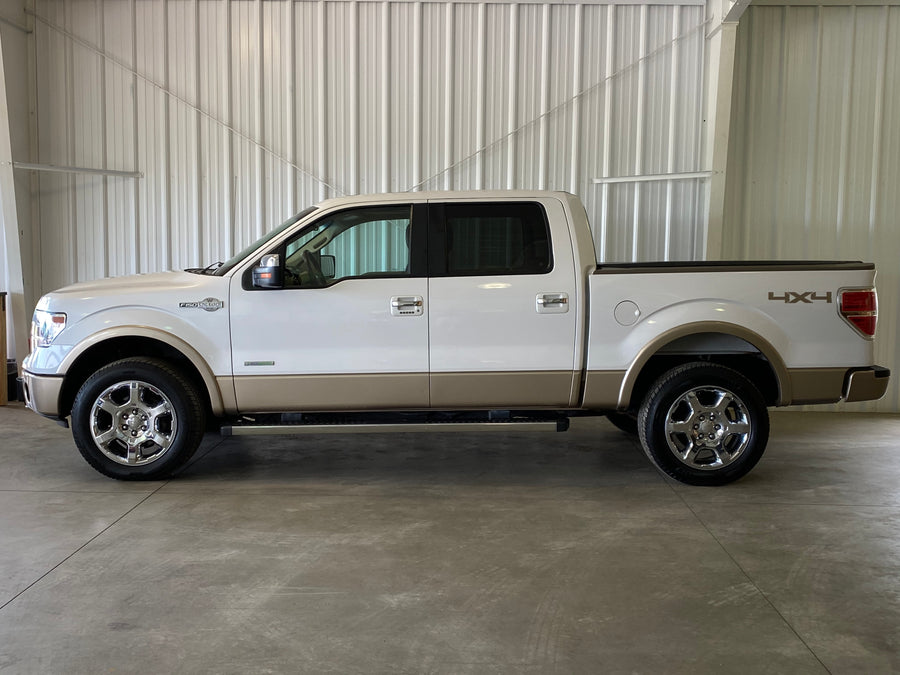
<point>518,553</point>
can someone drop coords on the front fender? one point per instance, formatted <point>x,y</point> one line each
<point>220,398</point>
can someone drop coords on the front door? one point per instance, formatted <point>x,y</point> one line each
<point>349,328</point>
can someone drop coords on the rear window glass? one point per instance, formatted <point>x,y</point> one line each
<point>486,239</point>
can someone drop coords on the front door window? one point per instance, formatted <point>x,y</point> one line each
<point>359,243</point>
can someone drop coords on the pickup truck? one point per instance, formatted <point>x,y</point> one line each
<point>482,311</point>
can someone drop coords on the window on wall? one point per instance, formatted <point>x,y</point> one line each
<point>485,239</point>
<point>365,242</point>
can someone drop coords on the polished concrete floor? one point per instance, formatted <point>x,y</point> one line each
<point>409,553</point>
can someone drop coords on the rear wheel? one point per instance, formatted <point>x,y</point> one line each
<point>704,424</point>
<point>137,419</point>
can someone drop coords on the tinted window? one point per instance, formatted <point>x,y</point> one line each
<point>510,238</point>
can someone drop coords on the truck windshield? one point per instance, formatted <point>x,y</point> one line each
<point>259,243</point>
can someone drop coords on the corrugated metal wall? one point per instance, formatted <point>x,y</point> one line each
<point>814,163</point>
<point>240,112</point>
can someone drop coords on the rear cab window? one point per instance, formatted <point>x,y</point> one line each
<point>485,238</point>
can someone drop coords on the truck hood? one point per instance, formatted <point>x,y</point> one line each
<point>162,289</point>
<point>169,281</point>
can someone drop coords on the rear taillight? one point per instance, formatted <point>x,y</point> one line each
<point>859,307</point>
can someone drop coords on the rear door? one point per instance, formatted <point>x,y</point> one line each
<point>501,304</point>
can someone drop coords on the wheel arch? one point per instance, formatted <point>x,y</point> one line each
<point>112,345</point>
<point>690,342</point>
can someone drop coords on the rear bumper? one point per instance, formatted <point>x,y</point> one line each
<point>866,384</point>
<point>42,393</point>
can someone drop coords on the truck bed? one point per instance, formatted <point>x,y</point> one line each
<point>732,266</point>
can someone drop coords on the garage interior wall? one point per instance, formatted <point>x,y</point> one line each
<point>238,113</point>
<point>814,163</point>
<point>14,36</point>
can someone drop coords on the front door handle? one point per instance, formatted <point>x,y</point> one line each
<point>407,305</point>
<point>552,303</point>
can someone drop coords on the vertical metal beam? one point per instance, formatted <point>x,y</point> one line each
<point>512,77</point>
<point>12,245</point>
<point>846,109</point>
<point>72,182</point>
<point>353,158</point>
<point>878,131</point>
<point>480,105</point>
<point>812,149</point>
<point>544,133</point>
<point>780,130</point>
<point>230,178</point>
<point>104,149</point>
<point>135,263</point>
<point>417,96</point>
<point>386,96</point>
<point>673,126</point>
<point>607,125</point>
<point>321,92</point>
<point>720,43</point>
<point>639,132</point>
<point>33,280</point>
<point>449,100</point>
<point>576,101</point>
<point>290,130</point>
<point>200,258</point>
<point>165,225</point>
<point>260,225</point>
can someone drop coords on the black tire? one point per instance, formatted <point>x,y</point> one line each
<point>704,424</point>
<point>138,419</point>
<point>624,422</point>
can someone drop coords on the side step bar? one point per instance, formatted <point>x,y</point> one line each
<point>561,424</point>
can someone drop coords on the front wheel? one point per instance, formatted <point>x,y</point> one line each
<point>137,419</point>
<point>704,424</point>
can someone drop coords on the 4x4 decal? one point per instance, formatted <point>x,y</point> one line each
<point>809,297</point>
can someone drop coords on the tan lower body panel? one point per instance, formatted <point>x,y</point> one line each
<point>279,393</point>
<point>865,385</point>
<point>541,389</point>
<point>816,385</point>
<point>42,393</point>
<point>601,389</point>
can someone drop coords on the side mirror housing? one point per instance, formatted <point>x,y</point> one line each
<point>269,273</point>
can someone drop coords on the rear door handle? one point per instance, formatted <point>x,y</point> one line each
<point>552,303</point>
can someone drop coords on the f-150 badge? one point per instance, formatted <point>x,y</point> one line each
<point>208,304</point>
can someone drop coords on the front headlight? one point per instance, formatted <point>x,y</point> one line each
<point>45,326</point>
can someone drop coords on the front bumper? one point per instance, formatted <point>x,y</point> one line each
<point>42,393</point>
<point>866,384</point>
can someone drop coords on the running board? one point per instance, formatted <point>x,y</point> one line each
<point>561,424</point>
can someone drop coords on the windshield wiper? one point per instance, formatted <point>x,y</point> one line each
<point>209,269</point>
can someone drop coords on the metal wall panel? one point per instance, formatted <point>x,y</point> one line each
<point>814,162</point>
<point>240,112</point>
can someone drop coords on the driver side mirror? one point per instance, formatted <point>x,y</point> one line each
<point>269,274</point>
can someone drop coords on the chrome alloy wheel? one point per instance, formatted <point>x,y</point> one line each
<point>133,423</point>
<point>708,428</point>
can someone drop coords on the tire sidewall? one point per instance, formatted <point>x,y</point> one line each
<point>177,389</point>
<point>674,384</point>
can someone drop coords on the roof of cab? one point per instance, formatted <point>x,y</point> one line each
<point>443,195</point>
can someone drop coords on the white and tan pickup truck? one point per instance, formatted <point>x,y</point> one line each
<point>450,310</point>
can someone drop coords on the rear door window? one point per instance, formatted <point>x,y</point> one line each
<point>496,239</point>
